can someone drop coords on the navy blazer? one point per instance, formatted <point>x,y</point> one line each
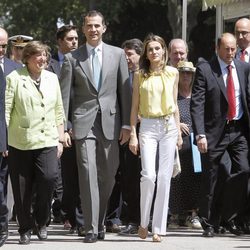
<point>54,65</point>
<point>10,65</point>
<point>209,105</point>
<point>2,112</point>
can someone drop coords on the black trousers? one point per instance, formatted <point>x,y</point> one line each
<point>225,170</point>
<point>33,171</point>
<point>58,194</point>
<point>130,165</point>
<point>71,203</point>
<point>130,184</point>
<point>3,194</point>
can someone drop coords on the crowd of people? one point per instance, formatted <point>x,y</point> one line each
<point>89,134</point>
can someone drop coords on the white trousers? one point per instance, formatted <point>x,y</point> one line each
<point>154,136</point>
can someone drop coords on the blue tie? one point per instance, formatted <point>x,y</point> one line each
<point>96,67</point>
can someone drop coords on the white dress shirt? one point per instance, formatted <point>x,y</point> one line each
<point>224,70</point>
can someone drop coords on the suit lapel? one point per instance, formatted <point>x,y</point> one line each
<point>106,59</point>
<point>29,85</point>
<point>55,65</point>
<point>215,66</point>
<point>84,62</point>
<point>241,78</point>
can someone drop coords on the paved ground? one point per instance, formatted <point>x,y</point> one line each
<point>178,239</point>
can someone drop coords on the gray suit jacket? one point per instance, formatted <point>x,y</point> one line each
<point>113,99</point>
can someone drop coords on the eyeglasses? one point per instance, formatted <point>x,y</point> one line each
<point>3,46</point>
<point>243,33</point>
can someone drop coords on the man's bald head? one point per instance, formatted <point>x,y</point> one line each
<point>242,32</point>
<point>3,42</point>
<point>177,51</point>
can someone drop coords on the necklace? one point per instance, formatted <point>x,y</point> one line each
<point>35,76</point>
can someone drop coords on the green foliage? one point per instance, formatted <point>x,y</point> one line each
<point>125,19</point>
<point>135,18</point>
<point>38,18</point>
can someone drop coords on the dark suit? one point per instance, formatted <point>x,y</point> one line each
<point>66,197</point>
<point>3,174</point>
<point>97,117</point>
<point>209,107</point>
<point>54,64</point>
<point>9,66</point>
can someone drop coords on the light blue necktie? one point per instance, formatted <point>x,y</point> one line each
<point>96,67</point>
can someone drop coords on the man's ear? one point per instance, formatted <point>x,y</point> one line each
<point>104,28</point>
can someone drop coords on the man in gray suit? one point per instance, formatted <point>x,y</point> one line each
<point>100,97</point>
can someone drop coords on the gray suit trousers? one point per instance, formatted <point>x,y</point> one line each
<point>97,160</point>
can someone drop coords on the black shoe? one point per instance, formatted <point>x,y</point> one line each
<point>101,235</point>
<point>81,232</point>
<point>245,227</point>
<point>25,238</point>
<point>220,230</point>
<point>90,238</point>
<point>232,228</point>
<point>3,237</point>
<point>130,229</point>
<point>42,233</point>
<point>208,232</point>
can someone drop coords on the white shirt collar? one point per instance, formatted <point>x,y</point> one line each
<point>90,48</point>
<point>247,50</point>
<point>224,65</point>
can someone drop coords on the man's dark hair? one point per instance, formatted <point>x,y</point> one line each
<point>92,13</point>
<point>62,32</point>
<point>135,44</point>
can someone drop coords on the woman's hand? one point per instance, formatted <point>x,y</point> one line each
<point>179,141</point>
<point>133,144</point>
<point>184,128</point>
<point>59,150</point>
<point>5,153</point>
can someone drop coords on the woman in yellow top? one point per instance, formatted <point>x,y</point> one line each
<point>35,117</point>
<point>155,102</point>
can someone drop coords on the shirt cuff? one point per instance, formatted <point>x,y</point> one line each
<point>126,127</point>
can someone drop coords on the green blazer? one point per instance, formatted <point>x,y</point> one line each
<point>32,115</point>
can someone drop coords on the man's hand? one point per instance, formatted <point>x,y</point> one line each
<point>124,136</point>
<point>67,140</point>
<point>202,144</point>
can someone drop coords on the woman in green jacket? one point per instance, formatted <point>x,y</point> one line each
<point>34,117</point>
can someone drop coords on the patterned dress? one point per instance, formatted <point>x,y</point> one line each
<point>185,187</point>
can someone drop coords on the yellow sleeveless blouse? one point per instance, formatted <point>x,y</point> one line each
<point>157,93</point>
